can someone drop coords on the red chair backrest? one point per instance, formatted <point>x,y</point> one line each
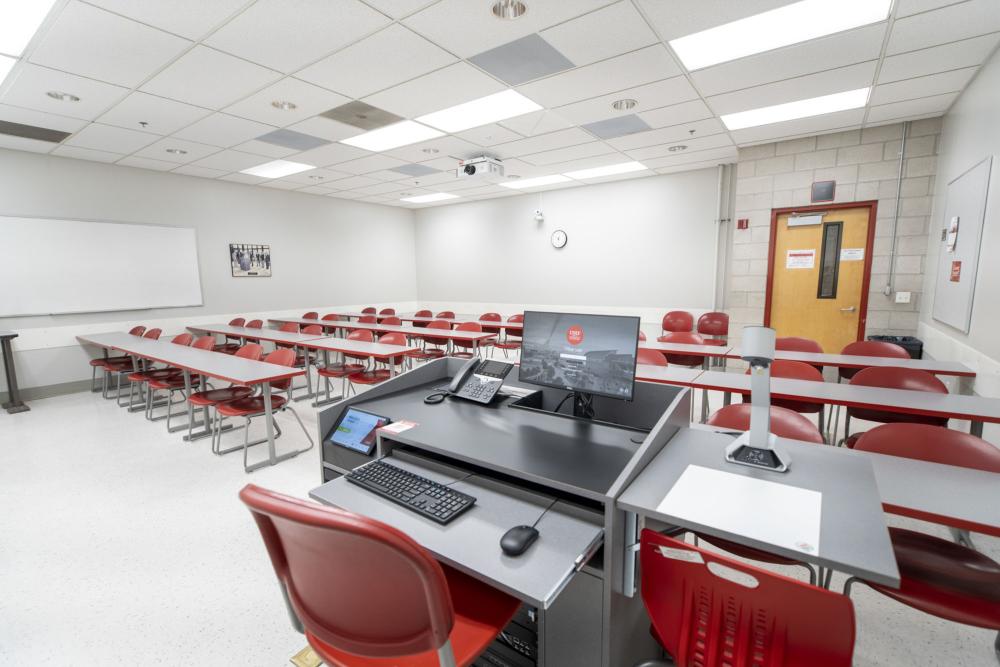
<point>370,310</point>
<point>794,370</point>
<point>313,330</point>
<point>931,443</point>
<point>362,335</point>
<point>491,317</point>
<point>182,339</point>
<point>153,334</point>
<point>255,324</point>
<point>387,311</point>
<point>871,348</point>
<point>467,326</point>
<point>282,357</point>
<point>704,617</point>
<point>678,320</point>
<point>515,319</point>
<point>713,324</point>
<point>367,319</point>
<point>137,331</point>
<point>311,315</point>
<point>651,357</point>
<point>251,351</point>
<point>445,315</point>
<point>237,322</point>
<point>797,344</point>
<point>332,317</point>
<point>423,313</point>
<point>642,336</point>
<point>392,321</point>
<point>889,377</point>
<point>204,343</point>
<point>684,338</point>
<point>289,327</point>
<point>437,324</point>
<point>355,583</point>
<point>394,338</point>
<point>785,423</point>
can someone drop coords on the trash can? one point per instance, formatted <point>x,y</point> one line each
<point>914,346</point>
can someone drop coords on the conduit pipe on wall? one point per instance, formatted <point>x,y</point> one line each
<point>889,283</point>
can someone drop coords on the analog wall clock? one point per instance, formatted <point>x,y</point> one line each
<point>559,239</point>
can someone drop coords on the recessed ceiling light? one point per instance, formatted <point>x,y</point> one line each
<point>20,23</point>
<point>424,199</point>
<point>679,147</point>
<point>277,169</point>
<point>177,151</point>
<point>485,110</point>
<point>405,194</point>
<point>284,106</point>
<point>399,134</point>
<point>62,97</point>
<point>623,105</point>
<point>779,27</point>
<point>814,106</point>
<point>430,151</point>
<point>609,170</point>
<point>535,182</point>
<point>509,9</point>
<point>316,177</point>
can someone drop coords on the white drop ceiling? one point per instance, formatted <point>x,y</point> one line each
<point>200,76</point>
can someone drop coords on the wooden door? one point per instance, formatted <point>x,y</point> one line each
<point>820,267</point>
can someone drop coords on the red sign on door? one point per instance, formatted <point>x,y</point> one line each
<point>574,334</point>
<point>956,271</point>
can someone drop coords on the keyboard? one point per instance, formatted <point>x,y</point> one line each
<point>417,494</point>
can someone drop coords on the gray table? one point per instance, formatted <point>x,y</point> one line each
<point>853,533</point>
<point>14,404</point>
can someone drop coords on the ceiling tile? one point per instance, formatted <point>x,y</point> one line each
<point>397,9</point>
<point>444,146</point>
<point>722,155</point>
<point>209,78</point>
<point>489,135</point>
<point>949,24</point>
<point>438,90</point>
<point>571,153</point>
<point>607,32</point>
<point>309,101</point>
<point>281,185</point>
<point>223,130</point>
<point>924,86</point>
<point>316,177</point>
<point>685,112</point>
<point>387,58</point>
<point>230,161</point>
<point>683,17</point>
<point>111,139</point>
<point>320,126</point>
<point>158,151</point>
<point>354,182</point>
<point>202,172</point>
<point>317,190</point>
<point>942,58</point>
<point>291,139</point>
<point>522,60</point>
<point>86,154</point>
<point>285,36</point>
<point>371,163</point>
<point>27,85</point>
<point>632,69</point>
<point>146,163</point>
<point>688,167</point>
<point>851,77</point>
<point>243,178</point>
<point>40,119</point>
<point>663,150</point>
<point>264,148</point>
<point>332,154</point>
<point>187,18</point>
<point>536,122</point>
<point>468,28</point>
<point>162,116</point>
<point>649,96</point>
<point>544,142</point>
<point>840,50</point>
<point>619,126</point>
<point>908,7</point>
<point>937,104</point>
<point>23,144</point>
<point>669,135</point>
<point>379,188</point>
<point>94,43</point>
<point>803,126</point>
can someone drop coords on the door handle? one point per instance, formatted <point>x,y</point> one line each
<point>849,309</point>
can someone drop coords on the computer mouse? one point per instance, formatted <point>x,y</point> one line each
<point>517,540</point>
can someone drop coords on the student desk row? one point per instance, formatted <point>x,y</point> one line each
<point>474,337</point>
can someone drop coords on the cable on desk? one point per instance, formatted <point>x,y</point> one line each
<point>544,512</point>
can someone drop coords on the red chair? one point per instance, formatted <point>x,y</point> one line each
<point>143,377</point>
<point>716,325</point>
<point>392,321</point>
<point>798,344</point>
<point>231,343</point>
<point>642,336</point>
<point>342,370</point>
<point>471,349</point>
<point>937,576</point>
<point>212,397</point>
<point>684,338</point>
<point>426,354</point>
<point>445,315</point>
<point>796,370</point>
<point>104,362</point>
<point>650,357</point>
<point>253,406</point>
<point>387,311</point>
<point>370,310</point>
<point>511,341</point>
<point>377,375</point>
<point>368,319</point>
<point>365,594</point>
<point>422,313</point>
<point>175,383</point>
<point>678,321</point>
<point>708,609</point>
<point>871,348</point>
<point>889,377</point>
<point>311,315</point>
<point>491,317</point>
<point>254,324</point>
<point>123,365</point>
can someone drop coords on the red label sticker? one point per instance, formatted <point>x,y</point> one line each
<point>956,271</point>
<point>574,334</point>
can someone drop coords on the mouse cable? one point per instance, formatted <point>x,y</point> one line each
<point>544,512</point>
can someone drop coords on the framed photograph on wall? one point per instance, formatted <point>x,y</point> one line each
<point>250,260</point>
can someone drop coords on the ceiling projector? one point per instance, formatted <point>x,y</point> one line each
<point>480,166</point>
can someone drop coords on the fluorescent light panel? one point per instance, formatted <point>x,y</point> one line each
<point>21,19</point>
<point>399,134</point>
<point>535,182</point>
<point>814,106</point>
<point>609,170</point>
<point>791,24</point>
<point>277,169</point>
<point>483,111</point>
<point>423,199</point>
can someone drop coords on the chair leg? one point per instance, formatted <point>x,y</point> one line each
<point>996,646</point>
<point>303,426</point>
<point>962,537</point>
<point>812,573</point>
<point>822,422</point>
<point>847,585</point>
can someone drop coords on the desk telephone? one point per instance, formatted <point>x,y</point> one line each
<point>477,381</point>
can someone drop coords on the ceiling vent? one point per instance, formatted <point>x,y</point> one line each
<point>361,115</point>
<point>32,132</point>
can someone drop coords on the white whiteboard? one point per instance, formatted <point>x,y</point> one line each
<point>74,266</point>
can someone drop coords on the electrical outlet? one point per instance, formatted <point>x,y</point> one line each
<point>903,297</point>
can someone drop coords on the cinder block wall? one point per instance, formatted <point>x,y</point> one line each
<point>864,163</point>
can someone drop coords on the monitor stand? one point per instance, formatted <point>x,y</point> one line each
<point>583,405</point>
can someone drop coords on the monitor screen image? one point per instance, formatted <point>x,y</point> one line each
<point>356,430</point>
<point>593,354</point>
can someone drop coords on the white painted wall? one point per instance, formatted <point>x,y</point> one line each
<point>326,252</point>
<point>642,243</point>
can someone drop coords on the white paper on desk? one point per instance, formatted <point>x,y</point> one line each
<point>769,512</point>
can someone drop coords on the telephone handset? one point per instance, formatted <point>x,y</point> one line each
<point>477,381</point>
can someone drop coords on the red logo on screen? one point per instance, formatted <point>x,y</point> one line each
<point>574,334</point>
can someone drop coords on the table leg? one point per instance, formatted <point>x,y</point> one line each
<point>190,408</point>
<point>269,421</point>
<point>976,428</point>
<point>966,384</point>
<point>15,404</point>
<point>705,365</point>
<point>309,388</point>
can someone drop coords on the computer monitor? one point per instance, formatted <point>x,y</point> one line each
<point>585,354</point>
